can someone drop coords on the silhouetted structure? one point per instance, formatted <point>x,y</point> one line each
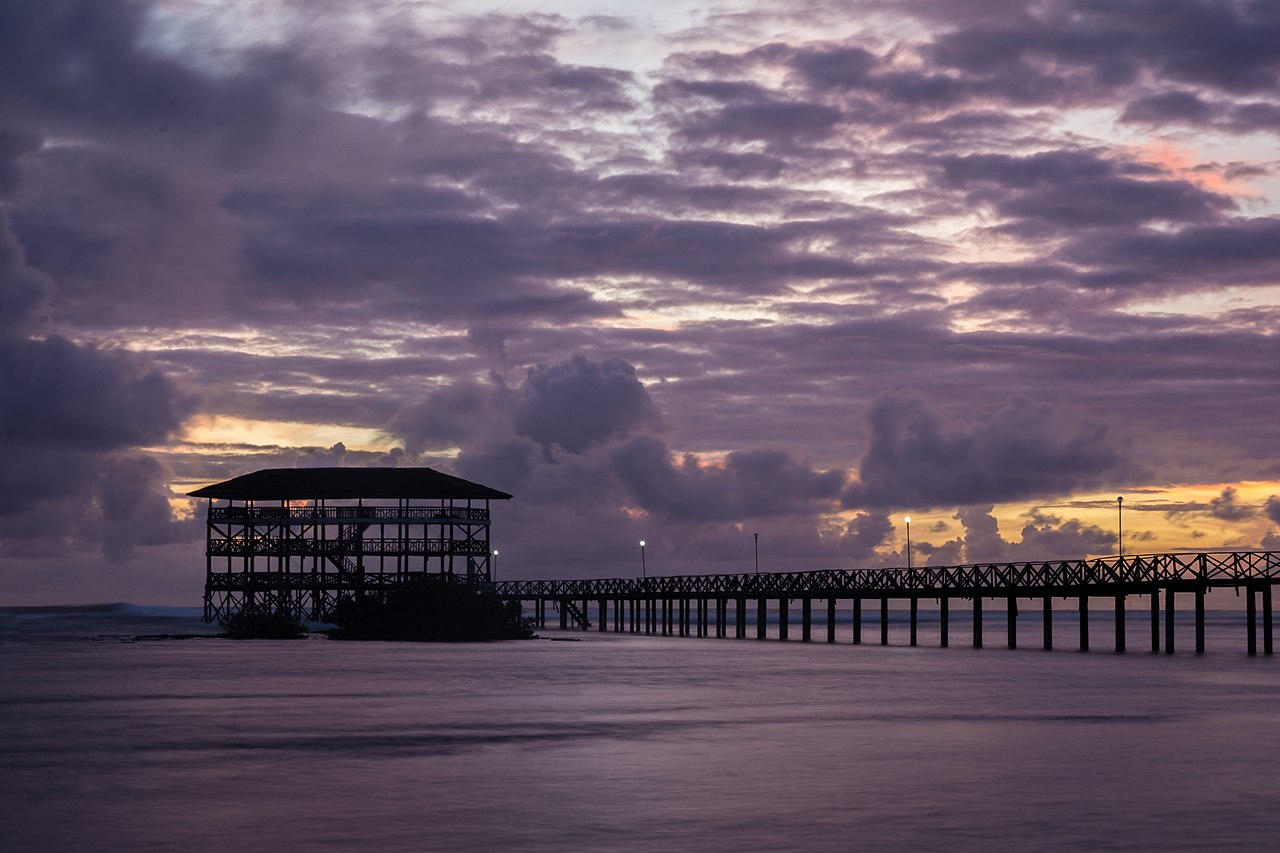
<point>296,540</point>
<point>667,604</point>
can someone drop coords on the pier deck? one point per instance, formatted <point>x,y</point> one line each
<point>682,604</point>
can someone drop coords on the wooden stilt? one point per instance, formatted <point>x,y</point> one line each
<point>1084,622</point>
<point>944,618</point>
<point>1119,612</point>
<point>1011,621</point>
<point>977,621</point>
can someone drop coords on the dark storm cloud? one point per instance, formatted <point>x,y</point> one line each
<point>1061,190</point>
<point>77,64</point>
<point>1226,506</point>
<point>735,166</point>
<point>21,287</point>
<point>55,393</point>
<point>1244,251</point>
<point>780,123</point>
<point>1231,46</point>
<point>749,484</point>
<point>1023,450</point>
<point>1272,509</point>
<point>1168,108</point>
<point>577,403</point>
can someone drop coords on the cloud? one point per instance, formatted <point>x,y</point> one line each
<point>1173,107</point>
<point>1224,506</point>
<point>1043,537</point>
<point>749,484</point>
<point>577,403</point>
<point>1023,450</point>
<point>1271,509</point>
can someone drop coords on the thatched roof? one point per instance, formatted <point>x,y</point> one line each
<point>274,484</point>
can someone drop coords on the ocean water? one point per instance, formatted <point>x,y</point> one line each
<point>620,742</point>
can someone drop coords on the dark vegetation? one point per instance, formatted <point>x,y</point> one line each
<point>437,609</point>
<point>258,623</point>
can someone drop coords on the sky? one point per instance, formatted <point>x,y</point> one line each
<point>683,272</point>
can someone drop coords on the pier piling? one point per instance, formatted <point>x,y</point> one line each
<point>1155,620</point>
<point>1266,619</point>
<point>1047,627</point>
<point>1011,621</point>
<point>1119,612</point>
<point>1084,622</point>
<point>977,621</point>
<point>1200,620</point>
<point>1252,609</point>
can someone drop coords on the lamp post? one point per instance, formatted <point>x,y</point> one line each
<point>643,571</point>
<point>495,563</point>
<point>907,519</point>
<point>757,538</point>
<point>1120,526</point>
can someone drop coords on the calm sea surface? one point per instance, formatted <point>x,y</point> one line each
<point>624,742</point>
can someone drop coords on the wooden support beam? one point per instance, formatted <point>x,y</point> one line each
<point>977,621</point>
<point>884,621</point>
<point>1119,613</point>
<point>1265,591</point>
<point>1084,622</point>
<point>782,618</point>
<point>1011,621</point>
<point>831,620</point>
<point>1155,620</point>
<point>1047,627</point>
<point>944,618</point>
<point>762,618</point>
<point>1200,620</point>
<point>915,612</point>
<point>806,619</point>
<point>740,618</point>
<point>857,620</point>
<point>1169,606</point>
<point>1252,609</point>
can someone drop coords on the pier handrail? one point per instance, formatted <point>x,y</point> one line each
<point>1213,568</point>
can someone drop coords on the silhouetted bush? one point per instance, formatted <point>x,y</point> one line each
<point>437,609</point>
<point>251,623</point>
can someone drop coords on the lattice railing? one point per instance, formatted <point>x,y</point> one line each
<point>1215,568</point>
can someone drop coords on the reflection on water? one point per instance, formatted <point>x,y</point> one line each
<point>629,742</point>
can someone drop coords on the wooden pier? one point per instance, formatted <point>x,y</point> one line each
<point>698,605</point>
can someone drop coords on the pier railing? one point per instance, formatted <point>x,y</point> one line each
<point>344,514</point>
<point>1211,568</point>
<point>275,546</point>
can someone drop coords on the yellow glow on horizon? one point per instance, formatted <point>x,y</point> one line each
<point>227,429</point>
<point>1155,519</point>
